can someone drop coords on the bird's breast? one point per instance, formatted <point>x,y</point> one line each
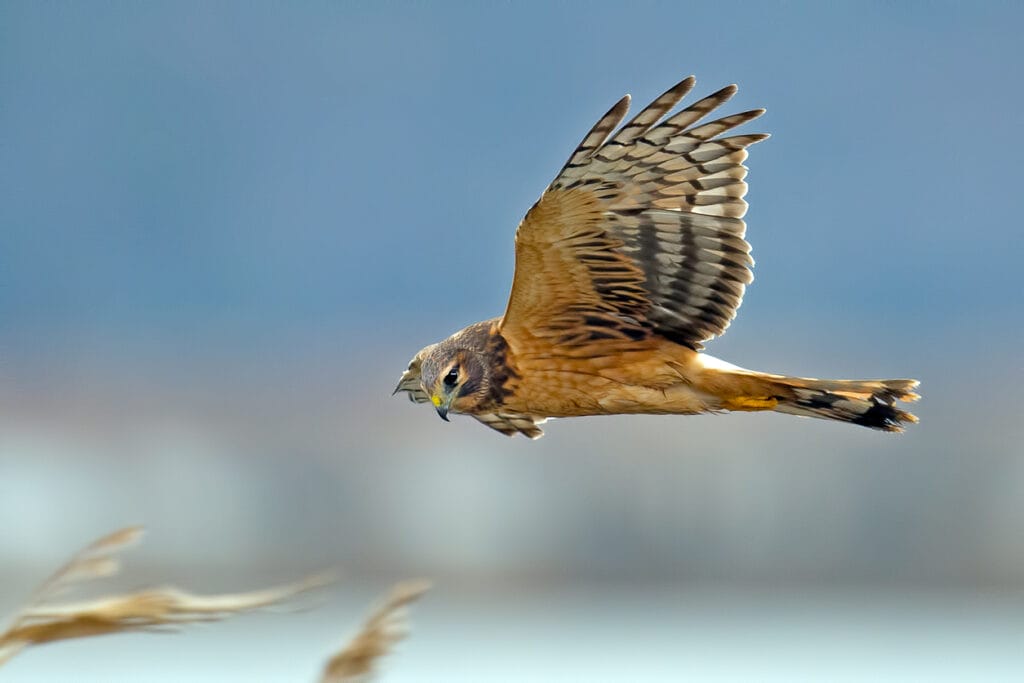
<point>649,379</point>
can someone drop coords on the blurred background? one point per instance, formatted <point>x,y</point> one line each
<point>224,230</point>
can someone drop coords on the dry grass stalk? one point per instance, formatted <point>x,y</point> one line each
<point>41,621</point>
<point>385,626</point>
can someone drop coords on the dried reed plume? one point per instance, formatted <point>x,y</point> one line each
<point>42,621</point>
<point>385,626</point>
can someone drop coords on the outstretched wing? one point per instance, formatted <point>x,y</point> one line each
<point>641,233</point>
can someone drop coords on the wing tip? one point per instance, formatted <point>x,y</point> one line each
<point>685,85</point>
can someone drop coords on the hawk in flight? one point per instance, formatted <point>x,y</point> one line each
<point>631,259</point>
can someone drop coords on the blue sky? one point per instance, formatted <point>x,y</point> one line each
<point>225,228</point>
<point>241,170</point>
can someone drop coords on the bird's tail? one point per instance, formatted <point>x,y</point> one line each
<point>863,402</point>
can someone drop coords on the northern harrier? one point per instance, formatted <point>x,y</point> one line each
<point>631,259</point>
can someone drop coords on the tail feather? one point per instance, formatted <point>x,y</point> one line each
<point>869,403</point>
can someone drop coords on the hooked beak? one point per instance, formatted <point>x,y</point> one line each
<point>441,406</point>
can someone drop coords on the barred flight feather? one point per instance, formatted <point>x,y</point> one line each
<point>671,199</point>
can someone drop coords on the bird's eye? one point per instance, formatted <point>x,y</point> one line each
<point>452,377</point>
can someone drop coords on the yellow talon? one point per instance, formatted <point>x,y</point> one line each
<point>751,403</point>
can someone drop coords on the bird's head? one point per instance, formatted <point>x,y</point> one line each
<point>452,377</point>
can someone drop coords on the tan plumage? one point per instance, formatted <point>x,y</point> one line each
<point>631,259</point>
